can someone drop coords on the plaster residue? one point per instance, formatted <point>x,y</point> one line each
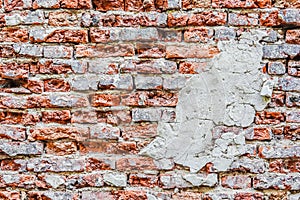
<point>229,93</point>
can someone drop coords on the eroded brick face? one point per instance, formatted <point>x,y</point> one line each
<point>86,86</point>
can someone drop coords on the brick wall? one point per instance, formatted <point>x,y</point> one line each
<point>85,85</point>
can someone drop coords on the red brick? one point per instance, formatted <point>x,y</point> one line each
<point>16,5</point>
<point>14,70</point>
<point>18,118</point>
<point>190,4</point>
<point>209,18</point>
<point>13,165</point>
<point>285,166</point>
<point>35,86</point>
<point>144,130</point>
<point>58,116</point>
<point>2,19</point>
<point>61,148</point>
<point>278,99</point>
<point>86,180</point>
<point>143,180</point>
<point>259,133</point>
<point>54,133</point>
<point>103,51</point>
<point>6,195</point>
<point>139,5</point>
<point>202,35</point>
<point>86,195</point>
<point>248,196</point>
<point>243,19</point>
<point>192,67</point>
<point>177,19</point>
<point>84,117</point>
<point>100,35</point>
<point>63,18</point>
<point>76,4</point>
<point>48,67</point>
<point>13,35</point>
<point>236,181</point>
<point>191,51</point>
<point>7,51</point>
<point>61,36</point>
<point>94,164</point>
<point>270,18</point>
<point>145,50</point>
<point>105,100</point>
<point>56,85</point>
<point>153,98</point>
<point>292,132</point>
<point>130,194</point>
<point>139,163</point>
<point>269,117</point>
<point>241,3</point>
<point>293,36</point>
<point>105,5</point>
<point>287,4</point>
<point>115,117</point>
<point>108,147</point>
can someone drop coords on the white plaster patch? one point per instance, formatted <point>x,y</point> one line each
<point>228,94</point>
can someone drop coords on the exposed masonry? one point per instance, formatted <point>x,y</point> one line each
<point>228,93</point>
<point>149,99</point>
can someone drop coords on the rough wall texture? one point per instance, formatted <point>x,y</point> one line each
<point>150,99</point>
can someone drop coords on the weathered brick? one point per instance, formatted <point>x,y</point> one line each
<point>269,117</point>
<point>61,148</point>
<point>21,148</point>
<point>277,181</point>
<point>56,85</point>
<point>108,147</point>
<point>144,130</point>
<point>148,82</point>
<point>14,195</point>
<point>54,133</point>
<point>7,51</point>
<point>58,116</point>
<point>289,84</point>
<point>76,4</point>
<point>293,117</point>
<point>85,180</point>
<point>145,50</point>
<point>276,68</point>
<point>55,164</point>
<point>58,36</point>
<point>236,181</point>
<point>14,70</point>
<point>46,66</point>
<point>86,195</point>
<point>34,86</point>
<point>8,117</point>
<point>285,166</point>
<point>292,36</point>
<point>159,66</point>
<point>290,17</point>
<point>105,100</point>
<point>152,19</point>
<point>294,68</point>
<point>52,195</point>
<point>138,163</point>
<point>143,180</point>
<point>103,51</point>
<point>258,133</point>
<point>198,35</point>
<point>63,18</point>
<point>130,194</point>
<point>84,117</point>
<point>169,35</point>
<point>114,117</point>
<point>115,179</point>
<point>17,5</point>
<point>241,4</point>
<point>105,5</point>
<point>279,151</point>
<point>118,82</point>
<point>29,50</point>
<point>191,51</point>
<point>277,99</point>
<point>13,35</point>
<point>174,82</point>
<point>292,132</point>
<point>239,19</point>
<point>190,4</point>
<point>104,131</point>
<point>249,165</point>
<point>152,114</point>
<point>58,52</point>
<point>12,132</point>
<point>192,67</point>
<point>292,99</point>
<point>95,164</point>
<point>269,18</point>
<point>46,4</point>
<point>207,18</point>
<point>150,98</point>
